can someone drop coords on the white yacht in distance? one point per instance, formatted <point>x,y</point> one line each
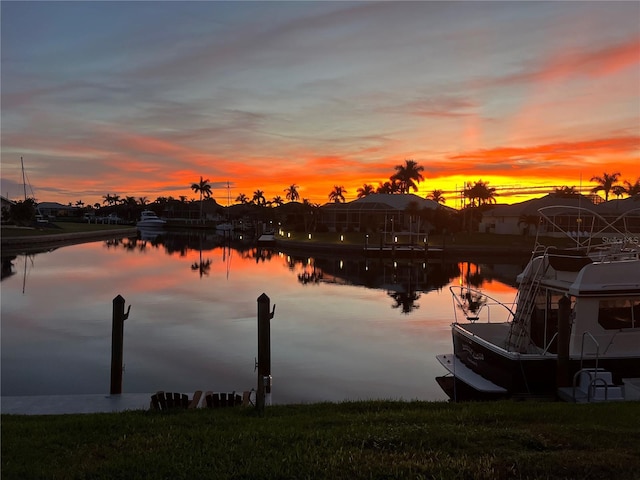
<point>574,332</point>
<point>149,219</point>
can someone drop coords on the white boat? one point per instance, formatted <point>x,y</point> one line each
<point>149,219</point>
<point>573,331</point>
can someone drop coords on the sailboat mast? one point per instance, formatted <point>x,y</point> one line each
<point>24,182</point>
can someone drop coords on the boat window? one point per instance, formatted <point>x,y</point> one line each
<point>618,313</point>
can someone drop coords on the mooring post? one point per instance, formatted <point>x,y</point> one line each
<point>264,350</point>
<point>117,338</point>
<point>564,330</point>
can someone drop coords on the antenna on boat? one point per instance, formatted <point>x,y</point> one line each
<point>579,220</point>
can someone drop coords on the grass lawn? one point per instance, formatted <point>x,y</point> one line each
<point>60,228</point>
<point>390,440</point>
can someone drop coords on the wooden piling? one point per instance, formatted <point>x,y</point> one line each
<point>264,349</point>
<point>117,339</point>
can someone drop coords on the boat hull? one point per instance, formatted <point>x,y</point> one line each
<point>525,375</point>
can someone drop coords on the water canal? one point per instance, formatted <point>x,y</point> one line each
<point>345,328</point>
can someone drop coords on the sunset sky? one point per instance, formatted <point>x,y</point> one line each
<point>143,98</point>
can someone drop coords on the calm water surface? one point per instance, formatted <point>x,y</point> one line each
<point>344,328</point>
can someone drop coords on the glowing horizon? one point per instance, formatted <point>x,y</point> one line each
<point>143,98</point>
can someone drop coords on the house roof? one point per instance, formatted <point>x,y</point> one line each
<point>618,207</point>
<point>385,201</point>
<point>531,207</point>
<point>54,206</point>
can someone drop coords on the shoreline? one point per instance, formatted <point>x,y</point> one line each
<point>36,243</point>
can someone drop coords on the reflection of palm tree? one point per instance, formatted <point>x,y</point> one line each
<point>292,193</point>
<point>606,183</point>
<point>204,189</point>
<point>337,194</point>
<point>405,300</point>
<point>203,266</point>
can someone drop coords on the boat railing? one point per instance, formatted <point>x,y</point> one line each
<point>472,302</point>
<point>546,349</point>
<point>595,342</point>
<point>593,383</point>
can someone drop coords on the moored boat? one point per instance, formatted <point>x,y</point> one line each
<point>574,329</point>
<point>149,219</point>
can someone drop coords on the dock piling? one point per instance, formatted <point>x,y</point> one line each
<point>117,339</point>
<point>264,350</point>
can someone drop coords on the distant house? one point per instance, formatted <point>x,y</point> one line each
<point>514,219</point>
<point>5,207</point>
<point>376,212</point>
<point>55,210</point>
<point>520,218</point>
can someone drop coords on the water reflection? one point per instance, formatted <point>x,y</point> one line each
<point>347,327</point>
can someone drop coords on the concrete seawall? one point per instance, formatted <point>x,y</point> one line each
<point>22,244</point>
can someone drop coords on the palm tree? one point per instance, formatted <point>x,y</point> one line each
<point>365,190</point>
<point>80,203</point>
<point>606,183</point>
<point>633,190</point>
<point>337,194</point>
<point>292,193</point>
<point>389,187</point>
<point>566,192</point>
<point>204,188</point>
<point>437,196</point>
<point>258,197</point>
<point>143,201</point>
<point>110,200</point>
<point>277,201</point>
<point>242,198</point>
<point>481,192</point>
<point>618,190</point>
<point>408,175</point>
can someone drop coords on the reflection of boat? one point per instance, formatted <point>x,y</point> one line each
<point>149,219</point>
<point>574,332</point>
<point>267,239</point>
<point>150,234</point>
<point>224,228</point>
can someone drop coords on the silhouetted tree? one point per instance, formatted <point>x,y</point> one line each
<point>633,190</point>
<point>566,192</point>
<point>258,197</point>
<point>390,187</point>
<point>436,196</point>
<point>606,183</point>
<point>243,199</point>
<point>337,194</point>
<point>292,193</point>
<point>365,190</point>
<point>408,175</point>
<point>204,189</point>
